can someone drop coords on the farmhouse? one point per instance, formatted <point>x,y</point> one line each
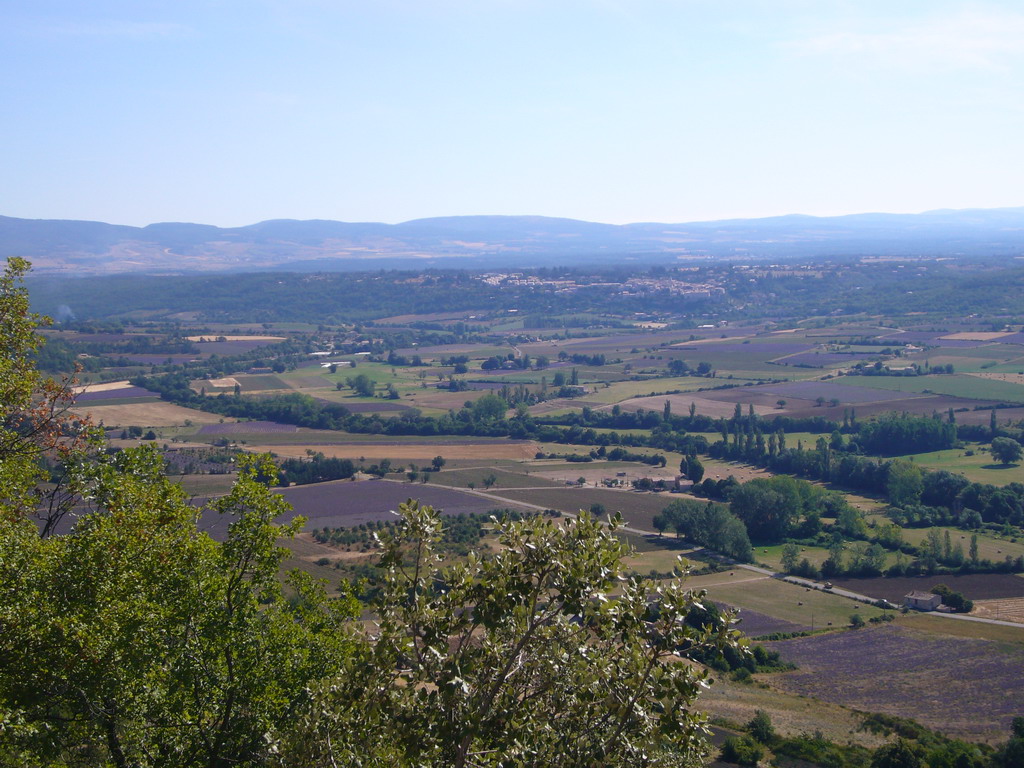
<point>922,601</point>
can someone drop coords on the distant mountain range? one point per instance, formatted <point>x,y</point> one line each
<point>89,247</point>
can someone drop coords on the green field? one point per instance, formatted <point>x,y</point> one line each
<point>955,385</point>
<point>989,547</point>
<point>783,600</point>
<point>205,485</point>
<point>979,468</point>
<point>942,626</point>
<point>726,356</point>
<point>260,382</point>
<point>460,478</point>
<point>625,390</point>
<point>658,559</point>
<point>772,556</point>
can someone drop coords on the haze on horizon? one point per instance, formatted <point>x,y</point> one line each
<point>229,113</point>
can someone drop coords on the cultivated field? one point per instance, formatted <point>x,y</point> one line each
<point>407,450</point>
<point>352,502</point>
<point>807,608</point>
<point>212,338</point>
<point>974,586</point>
<point>145,414</point>
<point>941,625</point>
<point>706,406</point>
<point>1007,609</point>
<point>957,385</point>
<point>980,467</point>
<point>989,547</point>
<point>459,478</point>
<point>638,509</point>
<point>963,687</point>
<point>247,428</point>
<point>118,396</point>
<point>624,390</point>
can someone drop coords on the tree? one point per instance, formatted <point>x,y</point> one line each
<point>741,751</point>
<point>790,557</point>
<point>489,407</point>
<point>1012,753</point>
<point>490,480</point>
<point>545,669</point>
<point>898,754</point>
<point>1006,450</point>
<point>36,425</point>
<point>437,462</point>
<point>362,384</point>
<point>135,636</point>
<point>905,483</point>
<point>708,524</point>
<point>760,727</point>
<point>694,469</point>
<point>768,507</point>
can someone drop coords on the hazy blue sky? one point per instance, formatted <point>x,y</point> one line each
<point>229,112</point>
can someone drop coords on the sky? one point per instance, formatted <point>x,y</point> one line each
<point>230,112</point>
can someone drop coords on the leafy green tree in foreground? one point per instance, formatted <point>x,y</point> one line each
<point>520,659</point>
<point>35,425</point>
<point>137,641</point>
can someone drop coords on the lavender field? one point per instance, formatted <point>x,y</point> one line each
<point>963,687</point>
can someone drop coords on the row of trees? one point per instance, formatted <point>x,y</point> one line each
<point>902,482</point>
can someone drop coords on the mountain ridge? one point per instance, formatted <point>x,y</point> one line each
<point>77,247</point>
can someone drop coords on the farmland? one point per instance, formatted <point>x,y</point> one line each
<point>905,672</point>
<point>144,413</point>
<point>638,509</point>
<point>578,378</point>
<point>350,503</point>
<point>980,466</point>
<point>403,450</point>
<point>956,385</point>
<point>809,609</point>
<point>973,586</point>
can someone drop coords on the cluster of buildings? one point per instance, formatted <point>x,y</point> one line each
<point>633,286</point>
